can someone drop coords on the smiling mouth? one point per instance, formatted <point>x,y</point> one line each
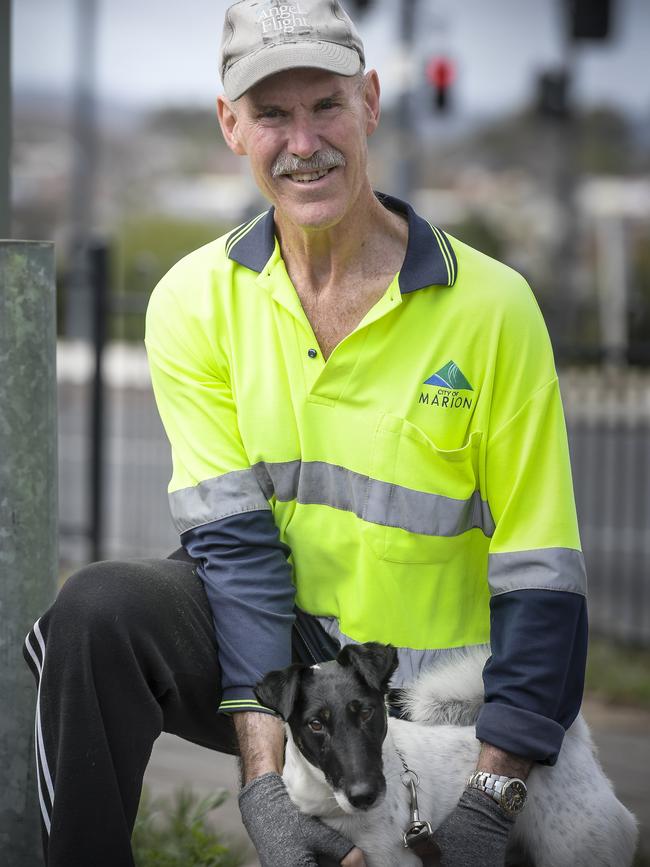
<point>309,177</point>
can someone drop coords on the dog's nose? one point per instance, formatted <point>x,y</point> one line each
<point>362,795</point>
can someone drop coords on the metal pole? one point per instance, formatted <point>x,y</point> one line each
<point>405,120</point>
<point>612,288</point>
<point>5,118</point>
<point>78,314</point>
<point>28,522</point>
<point>99,272</point>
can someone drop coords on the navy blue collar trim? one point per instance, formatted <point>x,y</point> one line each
<point>252,243</point>
<point>430,259</point>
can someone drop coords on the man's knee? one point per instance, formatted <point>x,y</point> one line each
<point>107,595</point>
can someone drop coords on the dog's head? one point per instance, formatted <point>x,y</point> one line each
<point>337,717</point>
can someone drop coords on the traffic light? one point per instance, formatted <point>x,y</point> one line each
<point>360,6</point>
<point>440,74</point>
<point>553,94</point>
<point>589,19</point>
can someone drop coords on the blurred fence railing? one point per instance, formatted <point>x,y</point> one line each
<point>137,463</point>
<point>608,417</point>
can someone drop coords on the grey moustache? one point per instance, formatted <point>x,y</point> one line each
<point>320,161</point>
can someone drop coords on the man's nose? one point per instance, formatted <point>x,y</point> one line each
<point>303,139</point>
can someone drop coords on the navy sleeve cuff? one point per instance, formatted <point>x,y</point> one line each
<point>238,699</point>
<point>521,732</point>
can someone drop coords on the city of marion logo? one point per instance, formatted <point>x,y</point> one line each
<point>448,383</point>
<point>281,18</point>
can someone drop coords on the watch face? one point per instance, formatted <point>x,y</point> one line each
<point>513,796</point>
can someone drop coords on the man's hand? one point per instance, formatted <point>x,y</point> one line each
<point>282,835</point>
<point>354,858</point>
<point>475,833</point>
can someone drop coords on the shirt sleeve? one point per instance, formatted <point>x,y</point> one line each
<point>534,678</point>
<point>243,565</point>
<point>218,500</point>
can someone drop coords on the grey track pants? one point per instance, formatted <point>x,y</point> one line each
<point>126,651</point>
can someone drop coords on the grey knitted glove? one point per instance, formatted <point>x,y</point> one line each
<point>282,835</point>
<point>475,833</point>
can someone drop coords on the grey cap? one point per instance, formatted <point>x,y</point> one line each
<point>262,37</point>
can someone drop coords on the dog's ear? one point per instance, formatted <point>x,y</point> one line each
<point>373,661</point>
<point>278,689</point>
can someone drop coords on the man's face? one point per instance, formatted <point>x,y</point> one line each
<point>305,133</point>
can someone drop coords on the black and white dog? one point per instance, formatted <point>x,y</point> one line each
<point>343,762</point>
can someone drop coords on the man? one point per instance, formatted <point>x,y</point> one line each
<point>368,444</point>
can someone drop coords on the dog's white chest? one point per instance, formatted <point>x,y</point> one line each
<point>377,831</point>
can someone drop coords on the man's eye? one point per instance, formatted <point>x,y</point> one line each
<point>327,103</point>
<point>315,725</point>
<point>365,713</point>
<point>269,114</point>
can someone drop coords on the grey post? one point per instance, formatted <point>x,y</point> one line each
<point>28,522</point>
<point>5,118</point>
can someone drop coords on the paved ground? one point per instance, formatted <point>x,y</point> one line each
<point>621,734</point>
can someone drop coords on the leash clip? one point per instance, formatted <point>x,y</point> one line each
<point>418,836</point>
<point>418,831</point>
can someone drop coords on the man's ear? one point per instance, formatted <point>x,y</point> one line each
<point>371,94</point>
<point>278,689</point>
<point>229,123</point>
<point>374,662</point>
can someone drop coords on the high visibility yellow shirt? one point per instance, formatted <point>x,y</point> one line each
<point>418,471</point>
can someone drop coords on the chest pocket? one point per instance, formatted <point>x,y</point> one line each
<point>419,498</point>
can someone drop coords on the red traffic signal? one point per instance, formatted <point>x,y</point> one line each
<point>441,73</point>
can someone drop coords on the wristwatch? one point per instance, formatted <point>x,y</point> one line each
<point>510,793</point>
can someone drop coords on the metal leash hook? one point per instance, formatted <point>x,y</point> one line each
<point>418,831</point>
<point>418,837</point>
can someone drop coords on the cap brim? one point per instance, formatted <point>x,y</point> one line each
<point>289,55</point>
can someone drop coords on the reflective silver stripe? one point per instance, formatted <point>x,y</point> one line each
<point>427,514</point>
<point>217,498</point>
<point>538,569</point>
<point>319,483</point>
<point>279,480</point>
<point>411,662</point>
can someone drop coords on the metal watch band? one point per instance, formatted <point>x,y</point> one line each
<point>492,784</point>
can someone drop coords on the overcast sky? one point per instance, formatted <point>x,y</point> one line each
<point>165,51</point>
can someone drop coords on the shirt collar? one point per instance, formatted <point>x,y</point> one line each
<point>429,261</point>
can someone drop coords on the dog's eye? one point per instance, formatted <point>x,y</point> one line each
<point>365,713</point>
<point>315,725</point>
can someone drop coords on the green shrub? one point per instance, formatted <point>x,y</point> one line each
<point>618,673</point>
<point>642,859</point>
<point>177,834</point>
